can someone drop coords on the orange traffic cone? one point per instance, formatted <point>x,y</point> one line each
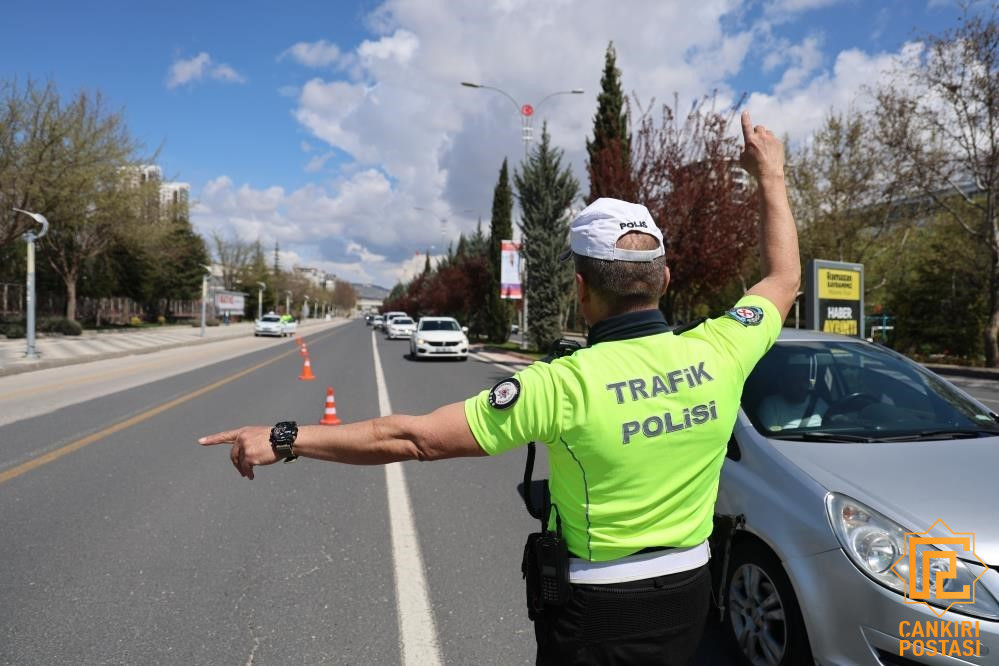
<point>303,350</point>
<point>298,340</point>
<point>329,415</point>
<point>306,371</point>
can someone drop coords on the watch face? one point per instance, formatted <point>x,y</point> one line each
<point>284,432</point>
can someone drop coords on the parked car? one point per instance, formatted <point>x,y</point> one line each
<point>439,337</point>
<point>841,448</point>
<point>270,325</point>
<point>400,327</point>
<point>377,322</point>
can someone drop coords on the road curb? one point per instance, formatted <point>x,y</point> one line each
<point>28,366</point>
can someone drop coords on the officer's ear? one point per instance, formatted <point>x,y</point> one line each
<point>666,277</point>
<point>582,289</point>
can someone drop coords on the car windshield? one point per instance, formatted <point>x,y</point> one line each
<point>402,321</point>
<point>271,319</point>
<point>439,325</point>
<point>856,392</point>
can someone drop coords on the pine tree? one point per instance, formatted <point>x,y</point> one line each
<point>546,190</point>
<point>277,265</point>
<point>426,265</point>
<point>609,162</point>
<point>500,229</point>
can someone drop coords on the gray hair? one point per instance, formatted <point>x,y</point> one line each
<point>625,285</point>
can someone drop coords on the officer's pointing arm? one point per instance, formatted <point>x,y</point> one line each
<point>763,157</point>
<point>443,433</point>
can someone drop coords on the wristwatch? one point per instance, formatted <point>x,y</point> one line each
<point>283,436</point>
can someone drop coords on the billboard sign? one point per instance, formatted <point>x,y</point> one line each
<point>229,301</point>
<point>835,292</point>
<point>510,286</point>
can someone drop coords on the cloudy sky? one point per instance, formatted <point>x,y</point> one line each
<point>325,125</point>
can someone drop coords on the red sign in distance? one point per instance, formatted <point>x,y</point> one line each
<point>527,110</point>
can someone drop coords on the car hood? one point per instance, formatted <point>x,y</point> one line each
<point>914,483</point>
<point>442,336</point>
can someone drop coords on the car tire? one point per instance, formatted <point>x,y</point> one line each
<point>762,621</point>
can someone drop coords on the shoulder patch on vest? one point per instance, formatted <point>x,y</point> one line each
<point>747,315</point>
<point>504,394</point>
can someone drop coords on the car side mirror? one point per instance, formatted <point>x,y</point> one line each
<point>464,329</point>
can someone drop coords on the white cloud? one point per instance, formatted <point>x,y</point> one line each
<point>313,54</point>
<point>410,136</point>
<point>192,70</point>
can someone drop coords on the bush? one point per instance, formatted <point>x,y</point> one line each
<point>59,325</point>
<point>14,331</point>
<point>161,320</point>
<point>135,321</point>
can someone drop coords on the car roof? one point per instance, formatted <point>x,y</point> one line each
<point>438,319</point>
<point>808,335</point>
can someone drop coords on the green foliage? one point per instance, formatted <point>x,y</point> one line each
<point>609,163</point>
<point>546,190</point>
<point>59,325</point>
<point>937,297</point>
<point>13,331</point>
<point>498,311</point>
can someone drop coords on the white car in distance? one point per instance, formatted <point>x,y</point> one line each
<point>400,327</point>
<point>269,325</point>
<point>437,337</point>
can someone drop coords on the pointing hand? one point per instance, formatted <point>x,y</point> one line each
<point>763,153</point>
<point>251,445</point>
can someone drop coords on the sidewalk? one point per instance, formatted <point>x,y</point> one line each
<point>60,350</point>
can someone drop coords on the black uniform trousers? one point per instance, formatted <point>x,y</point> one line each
<point>653,621</point>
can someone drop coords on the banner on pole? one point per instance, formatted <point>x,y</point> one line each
<point>510,287</point>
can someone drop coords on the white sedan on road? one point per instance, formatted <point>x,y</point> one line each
<point>439,337</point>
<point>270,325</point>
<point>400,327</point>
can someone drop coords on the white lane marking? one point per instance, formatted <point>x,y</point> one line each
<point>417,632</point>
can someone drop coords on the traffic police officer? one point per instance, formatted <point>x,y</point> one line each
<point>636,427</point>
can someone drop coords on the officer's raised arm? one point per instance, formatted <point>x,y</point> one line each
<point>763,157</point>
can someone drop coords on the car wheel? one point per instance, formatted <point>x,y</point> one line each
<point>763,620</point>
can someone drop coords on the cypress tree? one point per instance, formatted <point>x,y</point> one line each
<point>609,153</point>
<point>546,190</point>
<point>500,228</point>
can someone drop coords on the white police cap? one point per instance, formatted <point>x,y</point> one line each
<point>595,231</point>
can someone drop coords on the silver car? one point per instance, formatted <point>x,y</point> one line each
<point>841,449</point>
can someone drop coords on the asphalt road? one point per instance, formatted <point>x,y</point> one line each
<point>126,542</point>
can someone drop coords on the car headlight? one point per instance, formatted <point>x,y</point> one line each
<point>874,543</point>
<point>421,341</point>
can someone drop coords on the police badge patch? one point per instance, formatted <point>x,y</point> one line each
<point>504,394</point>
<point>747,315</point>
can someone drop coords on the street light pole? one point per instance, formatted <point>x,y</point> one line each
<point>526,112</point>
<point>30,237</point>
<point>260,300</point>
<point>204,295</point>
<point>287,303</point>
<point>443,221</point>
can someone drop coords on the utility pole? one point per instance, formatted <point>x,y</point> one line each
<point>30,237</point>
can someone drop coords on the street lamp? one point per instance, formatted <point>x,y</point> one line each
<point>204,295</point>
<point>30,237</point>
<point>305,308</point>
<point>526,112</point>
<point>260,300</point>
<point>287,303</point>
<point>443,221</point>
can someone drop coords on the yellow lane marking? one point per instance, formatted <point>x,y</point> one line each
<point>46,458</point>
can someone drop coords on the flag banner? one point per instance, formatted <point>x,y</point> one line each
<point>510,271</point>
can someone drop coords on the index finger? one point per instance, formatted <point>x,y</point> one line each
<point>747,126</point>
<point>226,437</point>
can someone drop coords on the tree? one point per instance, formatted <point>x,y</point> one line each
<point>344,296</point>
<point>686,172</point>
<point>233,256</point>
<point>546,190</point>
<point>938,116</point>
<point>88,191</point>
<point>609,163</point>
<point>497,317</point>
<point>842,192</point>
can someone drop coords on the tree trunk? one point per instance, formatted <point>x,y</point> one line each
<point>71,296</point>
<point>992,327</point>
